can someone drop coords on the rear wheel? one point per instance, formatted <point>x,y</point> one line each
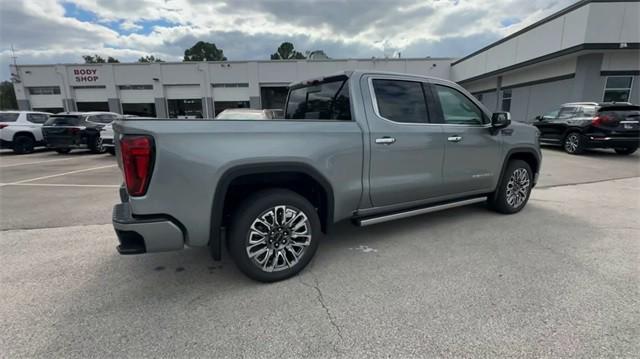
<point>63,151</point>
<point>97,146</point>
<point>626,150</point>
<point>573,143</point>
<point>23,144</point>
<point>274,235</point>
<point>514,188</point>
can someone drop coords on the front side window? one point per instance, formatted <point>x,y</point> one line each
<point>64,121</point>
<point>401,101</point>
<point>326,100</point>
<point>506,100</point>
<point>37,118</point>
<point>617,89</point>
<point>457,109</point>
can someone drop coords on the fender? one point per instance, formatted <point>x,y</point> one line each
<point>513,151</point>
<point>216,235</point>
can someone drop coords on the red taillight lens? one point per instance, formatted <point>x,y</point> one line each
<point>3,125</point>
<point>600,119</point>
<point>137,163</point>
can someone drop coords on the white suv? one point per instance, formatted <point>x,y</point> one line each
<point>22,130</point>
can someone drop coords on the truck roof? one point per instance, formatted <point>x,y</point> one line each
<point>349,73</point>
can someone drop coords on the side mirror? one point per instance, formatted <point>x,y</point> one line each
<point>500,119</point>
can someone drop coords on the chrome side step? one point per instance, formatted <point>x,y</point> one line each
<point>414,212</point>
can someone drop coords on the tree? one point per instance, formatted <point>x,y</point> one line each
<point>204,51</point>
<point>149,58</point>
<point>97,59</point>
<point>286,51</point>
<point>7,96</point>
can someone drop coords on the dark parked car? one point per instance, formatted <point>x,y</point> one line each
<point>66,131</point>
<point>581,125</point>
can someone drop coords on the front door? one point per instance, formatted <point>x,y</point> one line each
<point>472,160</point>
<point>406,149</point>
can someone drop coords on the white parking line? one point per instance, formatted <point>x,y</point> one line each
<point>37,162</point>
<point>56,175</point>
<point>61,185</point>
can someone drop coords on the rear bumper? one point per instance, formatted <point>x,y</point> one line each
<point>146,234</point>
<point>107,142</point>
<point>594,141</point>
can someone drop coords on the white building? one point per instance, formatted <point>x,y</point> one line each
<point>589,51</point>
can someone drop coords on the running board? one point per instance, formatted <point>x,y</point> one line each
<point>414,212</point>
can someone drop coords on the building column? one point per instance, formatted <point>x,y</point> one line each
<point>254,102</point>
<point>161,107</point>
<point>498,94</point>
<point>69,105</point>
<point>24,105</point>
<point>587,84</point>
<point>114,105</point>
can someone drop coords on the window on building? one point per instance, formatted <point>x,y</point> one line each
<point>324,100</point>
<point>506,100</point>
<point>185,109</point>
<point>135,87</point>
<point>44,90</point>
<point>231,85</point>
<point>457,109</point>
<point>617,89</point>
<point>93,106</point>
<point>49,109</point>
<point>37,117</point>
<point>401,101</point>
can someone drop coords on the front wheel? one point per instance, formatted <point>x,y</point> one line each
<point>573,143</point>
<point>626,150</point>
<point>97,146</point>
<point>273,235</point>
<point>514,188</point>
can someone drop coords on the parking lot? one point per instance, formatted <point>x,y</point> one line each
<point>561,278</point>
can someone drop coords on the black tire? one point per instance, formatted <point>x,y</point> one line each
<point>63,151</point>
<point>258,205</point>
<point>23,144</point>
<point>112,151</point>
<point>573,143</point>
<point>499,201</point>
<point>626,150</point>
<point>96,145</point>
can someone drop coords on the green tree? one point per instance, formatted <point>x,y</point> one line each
<point>112,60</point>
<point>286,51</point>
<point>7,96</point>
<point>97,59</point>
<point>204,51</point>
<point>149,58</point>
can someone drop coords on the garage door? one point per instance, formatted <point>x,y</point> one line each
<point>45,101</point>
<point>183,92</point>
<point>136,96</point>
<point>90,94</point>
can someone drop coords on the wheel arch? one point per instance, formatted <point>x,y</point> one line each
<point>529,155</point>
<point>24,133</point>
<point>267,175</point>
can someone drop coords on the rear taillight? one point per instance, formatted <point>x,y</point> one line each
<point>3,125</point>
<point>600,119</point>
<point>137,163</point>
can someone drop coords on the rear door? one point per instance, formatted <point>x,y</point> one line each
<point>60,131</point>
<point>473,152</point>
<point>407,150</point>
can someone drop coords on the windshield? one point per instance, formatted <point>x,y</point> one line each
<point>9,116</point>
<point>63,121</point>
<point>236,115</point>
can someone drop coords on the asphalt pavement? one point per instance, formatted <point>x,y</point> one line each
<point>559,279</point>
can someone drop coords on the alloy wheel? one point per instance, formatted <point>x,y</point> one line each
<point>518,187</point>
<point>278,238</point>
<point>572,142</point>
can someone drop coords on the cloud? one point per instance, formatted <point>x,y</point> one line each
<point>55,31</point>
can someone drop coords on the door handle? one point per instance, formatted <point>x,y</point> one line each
<point>454,138</point>
<point>385,140</point>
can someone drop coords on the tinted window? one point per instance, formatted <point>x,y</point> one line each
<point>401,101</point>
<point>9,117</point>
<point>102,118</point>
<point>588,111</point>
<point>37,118</point>
<point>322,101</point>
<point>458,109</point>
<point>63,121</point>
<point>566,112</point>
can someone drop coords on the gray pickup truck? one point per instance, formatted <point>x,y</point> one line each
<point>363,146</point>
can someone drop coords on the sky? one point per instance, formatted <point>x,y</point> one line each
<point>61,31</point>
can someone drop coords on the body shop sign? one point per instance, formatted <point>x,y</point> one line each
<point>86,75</point>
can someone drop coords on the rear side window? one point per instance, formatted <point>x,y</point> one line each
<point>401,101</point>
<point>567,111</point>
<point>327,100</point>
<point>37,118</point>
<point>457,109</point>
<point>9,117</point>
<point>64,121</point>
<point>102,118</point>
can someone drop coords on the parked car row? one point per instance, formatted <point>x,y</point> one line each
<point>23,131</point>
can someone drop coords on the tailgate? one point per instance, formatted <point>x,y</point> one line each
<point>619,119</point>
